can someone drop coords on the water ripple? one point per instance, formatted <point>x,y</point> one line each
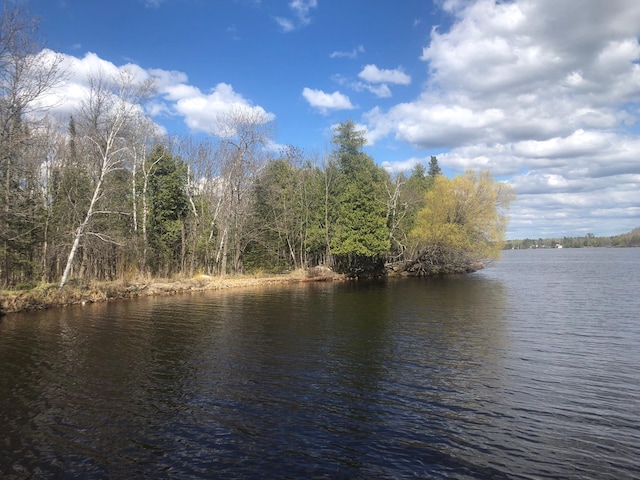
<point>525,370</point>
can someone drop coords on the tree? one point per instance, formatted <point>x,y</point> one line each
<point>463,222</point>
<point>169,207</point>
<point>405,199</point>
<point>242,137</point>
<point>69,191</point>
<point>285,207</point>
<point>106,115</point>
<point>205,197</point>
<point>322,199</point>
<point>361,237</point>
<point>142,137</point>
<point>27,73</point>
<point>434,168</point>
<point>277,208</point>
<point>144,158</point>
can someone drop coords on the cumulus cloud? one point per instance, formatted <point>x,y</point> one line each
<point>175,97</point>
<point>381,91</point>
<point>402,166</point>
<point>373,74</point>
<point>575,208</point>
<point>324,102</point>
<point>376,80</point>
<point>539,89</point>
<point>67,96</point>
<point>201,111</point>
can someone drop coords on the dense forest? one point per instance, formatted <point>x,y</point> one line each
<point>101,195</point>
<point>630,239</point>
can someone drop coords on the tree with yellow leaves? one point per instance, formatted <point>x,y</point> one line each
<point>461,225</point>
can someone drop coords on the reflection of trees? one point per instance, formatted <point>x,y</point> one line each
<point>313,334</point>
<point>456,325</point>
<point>450,342</point>
<point>329,371</point>
<point>96,386</point>
<point>298,364</point>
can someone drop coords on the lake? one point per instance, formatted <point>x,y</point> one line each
<point>529,368</point>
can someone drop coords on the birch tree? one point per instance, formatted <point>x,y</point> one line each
<point>105,116</point>
<point>204,199</point>
<point>142,138</point>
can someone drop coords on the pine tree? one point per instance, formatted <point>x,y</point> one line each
<point>361,238</point>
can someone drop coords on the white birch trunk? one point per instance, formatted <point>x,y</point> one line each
<point>80,232</point>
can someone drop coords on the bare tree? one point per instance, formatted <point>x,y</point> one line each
<point>49,147</point>
<point>27,73</point>
<point>242,137</point>
<point>202,188</point>
<point>397,210</point>
<point>105,116</point>
<point>142,138</point>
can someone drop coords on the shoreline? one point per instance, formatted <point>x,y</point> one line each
<point>50,296</point>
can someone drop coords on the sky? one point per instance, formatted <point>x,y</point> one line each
<point>544,94</point>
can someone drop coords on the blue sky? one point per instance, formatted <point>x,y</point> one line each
<point>544,94</point>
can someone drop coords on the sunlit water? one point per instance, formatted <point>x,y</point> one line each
<point>527,369</point>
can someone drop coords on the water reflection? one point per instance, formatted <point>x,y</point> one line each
<point>436,378</point>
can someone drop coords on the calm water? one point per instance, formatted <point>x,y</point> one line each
<point>528,369</point>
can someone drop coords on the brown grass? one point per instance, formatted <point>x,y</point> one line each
<point>49,295</point>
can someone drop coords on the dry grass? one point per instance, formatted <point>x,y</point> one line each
<point>49,295</point>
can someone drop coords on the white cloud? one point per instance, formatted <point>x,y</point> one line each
<point>201,111</point>
<point>375,80</point>
<point>545,209</point>
<point>285,24</point>
<point>373,74</point>
<point>301,10</point>
<point>381,91</point>
<point>577,144</point>
<point>69,93</point>
<point>175,96</point>
<point>539,89</point>
<point>352,54</point>
<point>327,101</point>
<point>402,166</point>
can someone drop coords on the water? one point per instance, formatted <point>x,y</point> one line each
<point>527,369</point>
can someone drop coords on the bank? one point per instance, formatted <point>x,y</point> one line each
<point>78,293</point>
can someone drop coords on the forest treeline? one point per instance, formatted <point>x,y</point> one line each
<point>101,195</point>
<point>629,239</point>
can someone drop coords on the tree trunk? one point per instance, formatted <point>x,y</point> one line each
<point>80,232</point>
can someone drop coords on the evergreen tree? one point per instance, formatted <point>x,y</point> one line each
<point>433,173</point>
<point>434,168</point>
<point>361,238</point>
<point>168,210</point>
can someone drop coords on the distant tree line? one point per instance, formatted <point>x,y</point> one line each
<point>630,239</point>
<point>102,196</point>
